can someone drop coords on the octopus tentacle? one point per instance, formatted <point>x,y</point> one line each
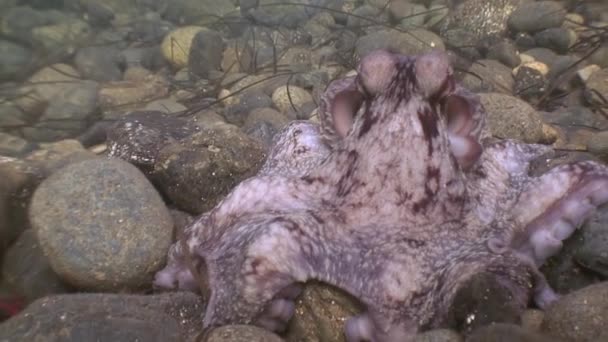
<point>571,193</point>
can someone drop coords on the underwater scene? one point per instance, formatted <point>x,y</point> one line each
<point>305,170</point>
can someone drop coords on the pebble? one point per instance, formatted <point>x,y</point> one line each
<point>168,317</point>
<point>100,63</point>
<point>177,44</point>
<point>596,87</point>
<point>27,270</point>
<point>196,173</point>
<point>509,332</point>
<point>536,16</point>
<point>14,59</point>
<point>512,118</point>
<point>242,333</point>
<point>110,230</point>
<point>286,98</point>
<point>579,315</point>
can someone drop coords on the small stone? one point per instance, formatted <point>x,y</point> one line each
<point>489,75</point>
<point>558,39</point>
<point>415,41</point>
<point>290,97</point>
<point>598,144</point>
<point>61,36</point>
<point>177,43</point>
<point>438,335</point>
<point>242,333</point>
<point>168,317</point>
<point>512,118</point>
<point>46,85</point>
<point>139,136</point>
<point>202,168</point>
<point>508,332</point>
<point>27,270</point>
<point>532,319</point>
<point>580,315</point>
<point>537,16</point>
<point>102,225</point>
<point>320,313</point>
<point>586,72</point>
<point>506,53</point>
<point>13,146</point>
<point>14,59</point>
<point>596,87</point>
<point>100,63</point>
<point>205,53</point>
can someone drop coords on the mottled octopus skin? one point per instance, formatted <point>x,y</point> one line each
<point>397,197</point>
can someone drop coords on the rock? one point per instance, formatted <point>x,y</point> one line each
<point>116,98</point>
<point>242,333</point>
<point>598,144</point>
<point>166,105</point>
<point>17,180</point>
<point>408,14</point>
<point>580,315</point>
<point>558,39</point>
<point>264,123</point>
<point>18,22</point>
<point>320,314</point>
<point>170,317</point>
<point>202,168</point>
<point>200,12</point>
<point>61,36</point>
<point>489,75</point>
<point>585,72</point>
<point>13,146</point>
<point>600,57</point>
<point>413,42</point>
<point>576,116</point>
<point>51,157</point>
<point>205,53</point>
<point>541,54</point>
<point>102,225</point>
<point>537,16</point>
<point>506,333</point>
<point>244,103</point>
<point>482,18</point>
<point>46,85</point>
<point>139,136</point>
<point>287,98</point>
<point>14,59</point>
<point>512,118</point>
<point>26,269</point>
<point>11,116</point>
<point>482,301</point>
<point>592,254</point>
<point>596,87</point>
<point>505,52</point>
<point>532,319</point>
<point>438,335</point>
<point>177,44</point>
<point>66,115</point>
<point>100,63</point>
<point>530,83</point>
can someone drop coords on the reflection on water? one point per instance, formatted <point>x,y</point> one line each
<point>192,93</point>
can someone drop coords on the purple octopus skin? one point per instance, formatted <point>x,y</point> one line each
<point>397,197</point>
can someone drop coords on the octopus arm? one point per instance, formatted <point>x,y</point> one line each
<point>552,206</point>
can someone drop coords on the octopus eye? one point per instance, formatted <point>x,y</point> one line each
<point>459,114</point>
<point>461,124</point>
<point>433,73</point>
<point>344,107</point>
<point>376,71</point>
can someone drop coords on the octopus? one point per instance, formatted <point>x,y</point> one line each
<point>398,196</point>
